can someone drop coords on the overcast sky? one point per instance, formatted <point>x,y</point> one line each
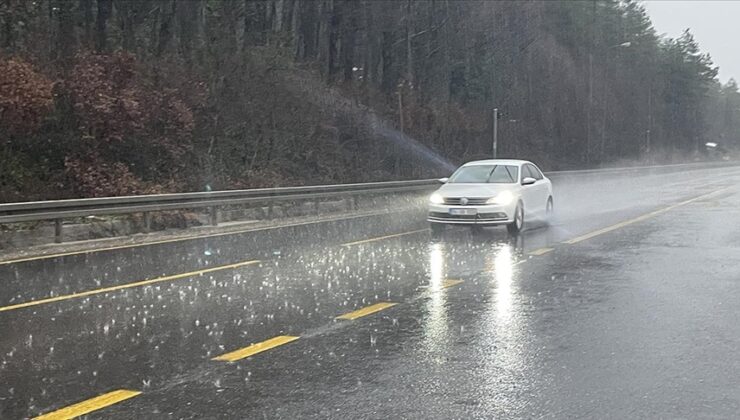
<point>714,23</point>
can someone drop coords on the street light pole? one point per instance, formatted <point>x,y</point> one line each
<point>397,149</point>
<point>589,107</point>
<point>647,144</point>
<point>649,122</point>
<point>495,132</point>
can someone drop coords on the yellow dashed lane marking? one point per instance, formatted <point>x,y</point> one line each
<point>125,286</point>
<point>88,406</point>
<point>450,282</point>
<point>640,218</point>
<point>541,251</point>
<point>367,310</point>
<point>256,348</point>
<point>380,238</point>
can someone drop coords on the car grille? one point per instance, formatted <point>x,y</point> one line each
<point>438,215</point>
<point>457,201</point>
<point>477,217</point>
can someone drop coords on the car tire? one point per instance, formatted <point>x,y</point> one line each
<point>518,224</point>
<point>437,229</point>
<point>549,209</point>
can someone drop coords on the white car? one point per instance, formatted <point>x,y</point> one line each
<point>492,192</point>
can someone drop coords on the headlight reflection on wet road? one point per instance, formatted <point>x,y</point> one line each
<point>503,273</point>
<point>505,336</point>
<point>436,325</point>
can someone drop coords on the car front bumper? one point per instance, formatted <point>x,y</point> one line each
<point>486,215</point>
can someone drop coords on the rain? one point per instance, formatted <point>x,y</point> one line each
<point>322,209</point>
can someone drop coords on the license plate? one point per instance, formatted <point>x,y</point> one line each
<point>463,212</point>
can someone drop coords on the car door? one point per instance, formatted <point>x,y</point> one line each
<point>536,193</point>
<point>529,193</point>
<point>544,184</point>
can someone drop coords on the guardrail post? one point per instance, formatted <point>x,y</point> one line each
<point>316,207</point>
<point>214,216</point>
<point>354,203</point>
<point>147,222</point>
<point>58,231</point>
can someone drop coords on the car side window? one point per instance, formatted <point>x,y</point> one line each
<point>527,172</point>
<point>536,173</point>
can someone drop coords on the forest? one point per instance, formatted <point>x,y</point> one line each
<point>118,97</point>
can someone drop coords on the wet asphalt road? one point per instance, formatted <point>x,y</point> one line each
<point>640,320</point>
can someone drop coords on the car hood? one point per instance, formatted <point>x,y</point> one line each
<point>473,190</point>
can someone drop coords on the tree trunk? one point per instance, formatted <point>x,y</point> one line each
<point>6,14</point>
<point>409,48</point>
<point>446,91</point>
<point>277,23</point>
<point>127,11</point>
<point>299,46</point>
<point>200,26</point>
<point>367,71</point>
<point>65,44</point>
<point>87,17</point>
<point>386,62</point>
<point>334,22</point>
<point>308,28</point>
<point>349,27</point>
<point>329,22</point>
<point>101,36</point>
<point>240,27</point>
<point>166,13</point>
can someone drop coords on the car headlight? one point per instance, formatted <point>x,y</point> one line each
<point>503,198</point>
<point>436,198</point>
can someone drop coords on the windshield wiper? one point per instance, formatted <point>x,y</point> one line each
<point>488,180</point>
<point>511,176</point>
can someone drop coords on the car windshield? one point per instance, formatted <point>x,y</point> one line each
<point>485,174</point>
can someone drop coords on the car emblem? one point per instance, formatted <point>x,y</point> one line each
<point>464,201</point>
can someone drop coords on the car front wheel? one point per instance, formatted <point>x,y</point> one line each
<point>518,224</point>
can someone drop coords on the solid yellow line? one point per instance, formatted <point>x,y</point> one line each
<point>125,286</point>
<point>256,348</point>
<point>541,251</point>
<point>188,238</point>
<point>380,238</point>
<point>450,283</point>
<point>639,218</point>
<point>366,310</point>
<point>90,405</point>
<point>67,254</point>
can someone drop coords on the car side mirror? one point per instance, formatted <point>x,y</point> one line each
<point>443,180</point>
<point>528,181</point>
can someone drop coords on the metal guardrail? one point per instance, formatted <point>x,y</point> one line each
<point>652,169</point>
<point>57,210</point>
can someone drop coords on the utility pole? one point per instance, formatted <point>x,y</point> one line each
<point>495,132</point>
<point>397,149</point>
<point>647,143</point>
<point>589,106</point>
<point>650,123</point>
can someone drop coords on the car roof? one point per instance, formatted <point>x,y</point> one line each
<point>515,162</point>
